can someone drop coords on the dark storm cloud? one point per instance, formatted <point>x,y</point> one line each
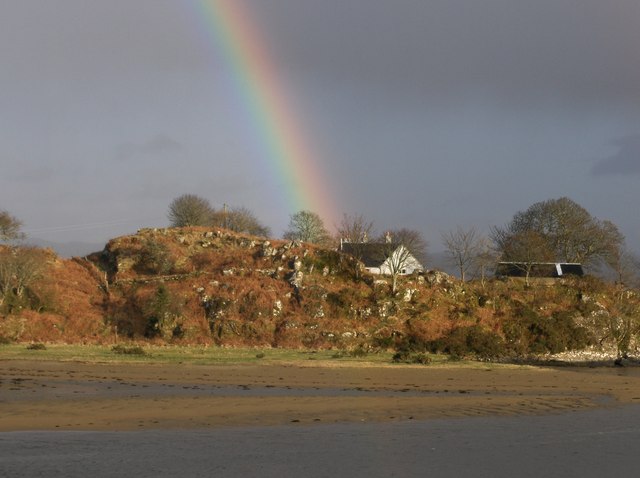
<point>581,52</point>
<point>625,161</point>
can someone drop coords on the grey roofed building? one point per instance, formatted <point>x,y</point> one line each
<point>371,254</point>
<point>539,269</point>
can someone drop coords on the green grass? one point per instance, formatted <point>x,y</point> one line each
<point>189,355</point>
<point>200,355</point>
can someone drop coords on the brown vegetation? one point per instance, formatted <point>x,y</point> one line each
<point>209,286</point>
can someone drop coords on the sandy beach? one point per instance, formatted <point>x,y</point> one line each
<point>38,395</point>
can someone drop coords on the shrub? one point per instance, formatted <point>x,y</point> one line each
<point>214,309</point>
<point>163,312</point>
<point>338,302</point>
<point>36,346</point>
<point>332,260</point>
<point>254,305</point>
<point>20,267</point>
<point>406,356</point>
<point>469,341</point>
<point>531,333</point>
<point>155,258</point>
<point>224,329</point>
<point>128,350</point>
<point>424,330</point>
<point>383,340</point>
<point>359,352</point>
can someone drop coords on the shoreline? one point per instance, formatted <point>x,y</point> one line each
<point>53,395</point>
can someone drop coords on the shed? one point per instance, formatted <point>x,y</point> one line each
<point>539,269</point>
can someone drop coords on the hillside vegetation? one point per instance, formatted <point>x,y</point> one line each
<point>212,286</point>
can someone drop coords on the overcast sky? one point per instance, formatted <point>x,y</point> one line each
<point>425,114</point>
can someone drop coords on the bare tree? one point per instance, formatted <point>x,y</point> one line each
<point>240,219</point>
<point>485,260</point>
<point>463,246</point>
<point>621,322</point>
<point>9,227</point>
<point>626,266</point>
<point>413,240</point>
<point>19,267</point>
<point>190,210</point>
<point>526,249</point>
<point>307,226</point>
<point>355,229</point>
<point>398,250</point>
<point>354,232</point>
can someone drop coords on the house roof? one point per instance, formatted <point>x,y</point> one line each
<point>371,254</point>
<point>539,269</point>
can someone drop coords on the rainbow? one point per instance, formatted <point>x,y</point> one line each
<point>287,151</point>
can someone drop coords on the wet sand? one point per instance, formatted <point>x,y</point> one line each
<point>588,443</point>
<point>120,397</point>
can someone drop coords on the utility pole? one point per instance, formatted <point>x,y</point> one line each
<point>224,216</point>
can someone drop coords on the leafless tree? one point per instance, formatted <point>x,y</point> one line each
<point>526,249</point>
<point>463,247</point>
<point>626,266</point>
<point>622,320</point>
<point>414,241</point>
<point>398,249</point>
<point>9,227</point>
<point>19,268</point>
<point>190,210</point>
<point>485,260</point>
<point>356,231</point>
<point>307,226</point>
<point>240,219</point>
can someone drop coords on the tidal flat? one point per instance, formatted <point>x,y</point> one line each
<point>315,418</point>
<point>71,395</point>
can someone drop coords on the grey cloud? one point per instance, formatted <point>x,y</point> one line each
<point>157,147</point>
<point>625,161</point>
<point>33,174</point>
<point>514,52</point>
<point>89,42</point>
<point>451,94</point>
<point>577,52</point>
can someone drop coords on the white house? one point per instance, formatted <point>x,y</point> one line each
<point>383,258</point>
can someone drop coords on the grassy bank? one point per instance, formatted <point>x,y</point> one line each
<point>189,355</point>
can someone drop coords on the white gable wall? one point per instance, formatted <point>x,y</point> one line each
<point>409,264</point>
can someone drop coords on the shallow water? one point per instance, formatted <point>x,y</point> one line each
<point>584,443</point>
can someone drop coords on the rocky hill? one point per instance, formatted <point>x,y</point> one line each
<point>202,286</point>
